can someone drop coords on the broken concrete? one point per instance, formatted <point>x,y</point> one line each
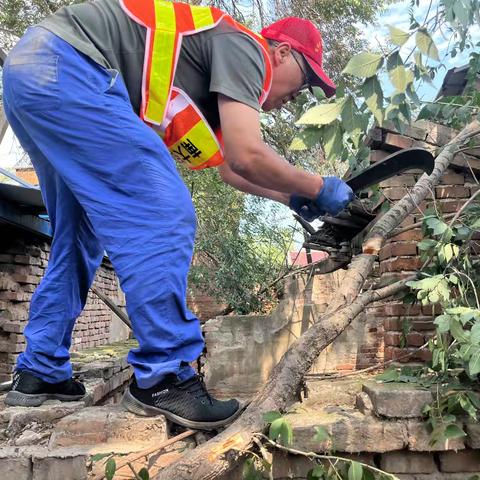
<point>397,400</point>
<point>109,424</point>
<point>350,431</point>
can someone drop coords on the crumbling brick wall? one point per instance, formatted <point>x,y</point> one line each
<point>407,327</point>
<point>23,259</point>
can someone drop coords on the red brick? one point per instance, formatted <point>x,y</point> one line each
<point>392,324</point>
<point>456,191</point>
<point>398,249</point>
<point>410,235</point>
<point>423,325</point>
<point>431,309</point>
<point>400,264</point>
<point>14,296</point>
<point>452,178</point>
<point>450,206</point>
<point>346,366</point>
<point>474,189</point>
<point>398,141</point>
<point>424,355</point>
<point>394,193</point>
<point>405,180</point>
<point>415,339</point>
<point>464,461</point>
<point>401,309</point>
<point>392,339</point>
<point>31,279</point>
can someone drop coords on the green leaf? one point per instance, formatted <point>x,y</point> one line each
<point>319,93</point>
<point>475,334</point>
<point>281,431</point>
<point>110,468</point>
<point>437,226</point>
<point>355,472</point>
<point>249,472</point>
<point>270,417</point>
<point>474,364</point>
<point>398,36</point>
<point>321,114</point>
<point>474,399</point>
<point>297,145</point>
<point>462,11</point>
<point>368,475</point>
<point>454,431</point>
<point>364,65</point>
<point>316,473</point>
<point>427,244</point>
<point>458,332</point>
<point>352,121</point>
<point>443,323</point>
<point>333,141</point>
<point>412,94</point>
<point>397,72</point>
<point>143,474</point>
<point>99,456</point>
<point>426,44</point>
<point>373,94</point>
<point>321,434</point>
<point>449,251</point>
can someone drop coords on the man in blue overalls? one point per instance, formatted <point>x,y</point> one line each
<point>88,92</point>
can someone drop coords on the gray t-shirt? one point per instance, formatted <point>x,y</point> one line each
<point>218,60</point>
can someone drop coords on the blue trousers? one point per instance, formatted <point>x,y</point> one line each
<point>109,183</point>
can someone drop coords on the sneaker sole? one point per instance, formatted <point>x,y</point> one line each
<point>19,399</point>
<point>133,405</point>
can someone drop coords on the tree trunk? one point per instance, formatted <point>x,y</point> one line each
<point>223,452</point>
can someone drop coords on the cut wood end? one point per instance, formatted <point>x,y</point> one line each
<point>373,245</point>
<point>237,441</point>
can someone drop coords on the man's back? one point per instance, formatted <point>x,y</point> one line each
<point>219,60</point>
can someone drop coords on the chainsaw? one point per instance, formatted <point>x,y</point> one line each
<point>337,234</point>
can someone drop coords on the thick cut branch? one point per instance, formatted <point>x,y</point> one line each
<point>223,452</point>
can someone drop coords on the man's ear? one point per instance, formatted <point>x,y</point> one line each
<point>281,53</point>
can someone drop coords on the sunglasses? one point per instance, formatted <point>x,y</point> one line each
<point>298,57</point>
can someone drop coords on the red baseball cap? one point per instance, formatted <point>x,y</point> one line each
<point>304,37</point>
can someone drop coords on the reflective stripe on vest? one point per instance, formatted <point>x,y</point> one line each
<point>167,109</point>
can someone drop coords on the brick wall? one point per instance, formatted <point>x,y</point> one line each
<point>407,327</point>
<point>23,260</point>
<point>204,306</point>
<point>27,174</point>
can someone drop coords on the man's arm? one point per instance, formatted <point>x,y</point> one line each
<point>240,183</point>
<point>250,158</point>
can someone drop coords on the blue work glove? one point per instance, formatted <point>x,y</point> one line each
<point>334,196</point>
<point>305,207</point>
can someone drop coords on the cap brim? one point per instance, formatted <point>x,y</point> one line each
<point>320,79</point>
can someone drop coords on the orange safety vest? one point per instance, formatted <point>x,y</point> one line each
<point>166,108</point>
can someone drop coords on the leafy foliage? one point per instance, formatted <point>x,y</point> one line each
<point>387,70</point>
<point>241,243</point>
